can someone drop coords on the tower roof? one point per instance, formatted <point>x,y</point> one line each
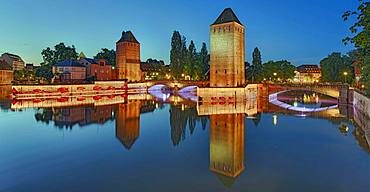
<point>128,37</point>
<point>227,16</point>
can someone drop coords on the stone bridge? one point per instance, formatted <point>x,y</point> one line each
<point>338,91</point>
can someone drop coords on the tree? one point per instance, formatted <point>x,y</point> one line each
<point>361,28</point>
<point>176,55</point>
<point>204,61</point>
<point>191,60</point>
<point>257,74</point>
<point>283,70</point>
<point>45,72</point>
<point>183,54</point>
<point>334,66</point>
<point>361,39</point>
<point>50,57</point>
<point>60,53</point>
<point>108,55</point>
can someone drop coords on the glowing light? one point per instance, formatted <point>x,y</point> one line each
<point>275,119</point>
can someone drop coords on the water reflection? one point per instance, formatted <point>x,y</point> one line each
<point>181,117</point>
<point>226,120</point>
<point>226,150</point>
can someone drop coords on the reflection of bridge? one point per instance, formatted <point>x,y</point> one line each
<point>176,85</point>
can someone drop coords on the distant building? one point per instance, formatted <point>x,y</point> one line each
<point>14,61</point>
<point>227,68</point>
<point>152,70</point>
<point>70,71</point>
<point>307,74</point>
<point>29,67</point>
<point>97,69</point>
<point>6,73</point>
<point>128,57</point>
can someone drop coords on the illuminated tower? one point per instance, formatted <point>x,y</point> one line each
<point>227,68</point>
<point>128,57</point>
<point>128,123</point>
<point>227,146</point>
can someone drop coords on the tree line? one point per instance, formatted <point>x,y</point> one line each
<point>186,61</point>
<point>271,70</point>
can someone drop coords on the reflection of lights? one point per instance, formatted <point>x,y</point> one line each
<point>275,119</point>
<point>295,104</point>
<point>156,105</point>
<point>182,107</point>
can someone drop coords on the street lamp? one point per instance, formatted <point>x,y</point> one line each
<point>345,76</point>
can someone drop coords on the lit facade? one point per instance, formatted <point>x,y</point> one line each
<point>227,67</point>
<point>308,74</point>
<point>128,57</point>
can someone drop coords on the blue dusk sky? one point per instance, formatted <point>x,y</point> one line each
<point>301,31</point>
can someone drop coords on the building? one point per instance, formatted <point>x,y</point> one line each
<point>6,73</point>
<point>97,69</point>
<point>227,67</point>
<point>70,71</point>
<point>307,74</point>
<point>29,67</point>
<point>14,61</point>
<point>154,70</point>
<point>128,57</point>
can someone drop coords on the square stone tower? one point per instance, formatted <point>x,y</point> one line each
<point>227,68</point>
<point>128,57</point>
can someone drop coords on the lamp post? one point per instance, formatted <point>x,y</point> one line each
<point>345,76</point>
<point>275,74</point>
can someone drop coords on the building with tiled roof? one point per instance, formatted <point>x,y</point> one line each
<point>70,71</point>
<point>15,61</point>
<point>97,69</point>
<point>6,73</point>
<point>308,74</point>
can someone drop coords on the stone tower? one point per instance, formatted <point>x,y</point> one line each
<point>128,57</point>
<point>227,68</point>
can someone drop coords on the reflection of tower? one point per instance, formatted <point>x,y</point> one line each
<point>227,146</point>
<point>227,68</point>
<point>128,57</point>
<point>128,123</point>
